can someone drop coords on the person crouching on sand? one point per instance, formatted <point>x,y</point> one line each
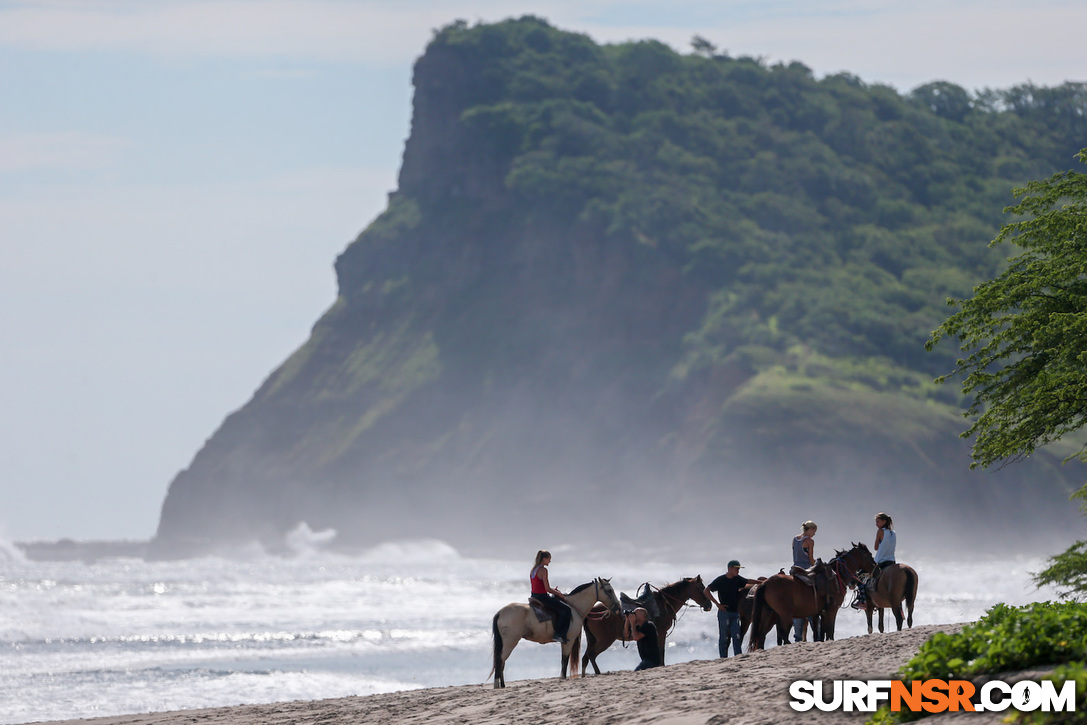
<point>638,627</point>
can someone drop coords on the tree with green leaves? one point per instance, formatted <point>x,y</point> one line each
<point>1024,339</point>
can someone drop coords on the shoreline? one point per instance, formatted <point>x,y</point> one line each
<point>749,689</point>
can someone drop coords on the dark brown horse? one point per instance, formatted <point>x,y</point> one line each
<point>602,628</point>
<point>897,583</point>
<point>747,604</point>
<point>791,598</point>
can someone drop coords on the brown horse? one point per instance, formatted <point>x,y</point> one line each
<point>747,604</point>
<point>897,583</point>
<point>790,598</point>
<point>602,628</point>
<point>517,621</point>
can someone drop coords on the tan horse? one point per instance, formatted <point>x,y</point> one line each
<point>517,621</point>
<point>897,583</point>
<point>790,598</point>
<point>602,629</point>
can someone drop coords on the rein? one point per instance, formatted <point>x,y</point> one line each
<point>676,603</point>
<point>840,564</point>
<point>596,597</point>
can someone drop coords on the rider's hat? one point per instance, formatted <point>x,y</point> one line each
<point>735,562</point>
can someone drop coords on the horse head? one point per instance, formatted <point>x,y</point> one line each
<point>857,559</point>
<point>697,591</point>
<point>605,594</point>
<point>867,562</point>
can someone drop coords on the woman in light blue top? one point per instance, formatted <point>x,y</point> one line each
<point>885,541</point>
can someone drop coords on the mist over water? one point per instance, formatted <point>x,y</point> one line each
<point>127,636</point>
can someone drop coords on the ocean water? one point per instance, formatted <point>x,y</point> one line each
<point>128,636</point>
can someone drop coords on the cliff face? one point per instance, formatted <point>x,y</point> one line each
<point>547,337</point>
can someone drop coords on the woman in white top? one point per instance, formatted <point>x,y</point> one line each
<point>885,541</point>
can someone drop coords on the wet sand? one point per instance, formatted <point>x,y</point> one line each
<point>749,689</point>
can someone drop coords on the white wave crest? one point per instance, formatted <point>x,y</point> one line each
<point>304,540</point>
<point>418,551</point>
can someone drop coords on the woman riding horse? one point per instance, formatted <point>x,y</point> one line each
<point>517,621</point>
<point>790,597</point>
<point>549,597</point>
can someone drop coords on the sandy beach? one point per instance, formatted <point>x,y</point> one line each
<point>752,688</point>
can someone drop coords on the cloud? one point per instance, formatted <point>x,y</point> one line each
<point>331,30</point>
<point>974,42</point>
<point>66,151</point>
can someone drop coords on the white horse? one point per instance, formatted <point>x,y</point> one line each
<point>516,621</point>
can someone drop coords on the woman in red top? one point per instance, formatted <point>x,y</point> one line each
<point>548,596</point>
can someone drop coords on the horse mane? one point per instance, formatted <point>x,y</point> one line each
<point>581,587</point>
<point>842,552</point>
<point>676,586</point>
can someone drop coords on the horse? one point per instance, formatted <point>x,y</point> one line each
<point>602,628</point>
<point>517,621</point>
<point>896,583</point>
<point>790,598</point>
<point>747,604</point>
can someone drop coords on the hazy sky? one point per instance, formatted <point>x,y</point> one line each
<point>177,177</point>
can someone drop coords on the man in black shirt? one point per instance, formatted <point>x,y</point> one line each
<point>644,632</point>
<point>728,587</point>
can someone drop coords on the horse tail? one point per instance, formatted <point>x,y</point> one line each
<point>911,594</point>
<point>758,638</point>
<point>497,636</point>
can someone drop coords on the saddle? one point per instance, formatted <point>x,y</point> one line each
<point>645,600</point>
<point>543,612</point>
<point>871,581</point>
<point>866,584</point>
<point>808,577</point>
<point>804,575</point>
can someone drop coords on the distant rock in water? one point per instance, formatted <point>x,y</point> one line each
<point>85,551</point>
<point>627,294</point>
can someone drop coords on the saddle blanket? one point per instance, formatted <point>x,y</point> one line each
<point>542,615</point>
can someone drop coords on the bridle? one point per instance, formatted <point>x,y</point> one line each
<point>675,602</point>
<point>840,565</point>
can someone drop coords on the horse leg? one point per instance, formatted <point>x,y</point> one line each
<point>590,652</point>
<point>567,648</point>
<point>828,625</point>
<point>499,651</point>
<point>868,615</point>
<point>897,611</point>
<point>782,631</point>
<point>881,620</point>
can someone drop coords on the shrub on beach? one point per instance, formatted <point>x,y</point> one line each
<point>1005,640</point>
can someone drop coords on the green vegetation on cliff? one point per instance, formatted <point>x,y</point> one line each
<point>609,269</point>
